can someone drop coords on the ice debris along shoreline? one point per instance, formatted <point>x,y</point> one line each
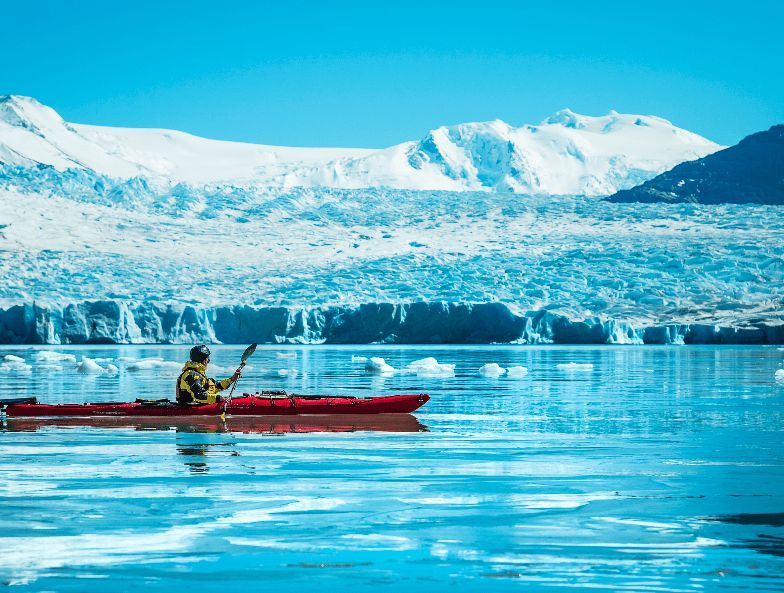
<point>122,322</point>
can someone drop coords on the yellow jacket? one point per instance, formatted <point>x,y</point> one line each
<point>194,387</point>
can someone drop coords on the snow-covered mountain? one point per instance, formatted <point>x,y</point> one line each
<point>566,154</point>
<point>174,238</point>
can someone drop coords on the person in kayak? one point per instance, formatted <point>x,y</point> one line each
<point>193,385</point>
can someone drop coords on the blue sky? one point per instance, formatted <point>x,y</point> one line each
<point>371,74</point>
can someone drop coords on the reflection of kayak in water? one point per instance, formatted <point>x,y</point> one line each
<point>266,403</point>
<point>244,424</point>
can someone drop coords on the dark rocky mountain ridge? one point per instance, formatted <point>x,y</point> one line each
<point>752,171</point>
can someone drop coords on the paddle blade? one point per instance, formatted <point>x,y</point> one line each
<point>249,351</point>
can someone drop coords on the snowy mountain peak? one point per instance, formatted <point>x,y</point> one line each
<point>565,117</point>
<point>26,112</point>
<point>567,153</point>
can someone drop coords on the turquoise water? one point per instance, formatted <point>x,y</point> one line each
<point>661,469</point>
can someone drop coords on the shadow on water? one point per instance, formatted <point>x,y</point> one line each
<point>763,543</point>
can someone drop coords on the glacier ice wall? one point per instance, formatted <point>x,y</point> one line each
<point>124,322</point>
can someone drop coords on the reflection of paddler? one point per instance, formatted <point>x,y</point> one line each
<point>239,424</point>
<point>199,450</point>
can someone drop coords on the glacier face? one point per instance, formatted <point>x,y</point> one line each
<point>67,236</point>
<point>565,154</point>
<point>412,323</point>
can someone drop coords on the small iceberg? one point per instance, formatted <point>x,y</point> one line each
<point>517,372</point>
<point>378,365</point>
<point>288,373</point>
<point>779,376</point>
<point>156,364</point>
<point>88,366</point>
<point>291,355</point>
<point>14,366</point>
<point>430,367</point>
<point>492,369</point>
<point>575,367</point>
<point>50,356</point>
<point>13,359</point>
<point>358,358</point>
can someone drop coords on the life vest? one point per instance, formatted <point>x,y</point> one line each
<point>194,387</point>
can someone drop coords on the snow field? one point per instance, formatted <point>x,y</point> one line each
<point>567,153</point>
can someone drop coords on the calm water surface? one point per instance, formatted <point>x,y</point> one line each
<point>662,469</point>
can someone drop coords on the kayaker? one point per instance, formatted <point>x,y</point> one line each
<point>193,385</point>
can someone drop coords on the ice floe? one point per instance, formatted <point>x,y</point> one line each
<point>12,358</point>
<point>779,376</point>
<point>378,365</point>
<point>430,367</point>
<point>12,365</point>
<point>155,364</point>
<point>575,366</point>
<point>517,371</point>
<point>88,366</point>
<point>50,356</point>
<point>292,355</point>
<point>288,373</point>
<point>358,358</point>
<point>492,369</point>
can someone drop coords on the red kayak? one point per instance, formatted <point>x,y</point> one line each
<point>272,403</point>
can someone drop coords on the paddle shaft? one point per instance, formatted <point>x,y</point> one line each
<point>242,366</point>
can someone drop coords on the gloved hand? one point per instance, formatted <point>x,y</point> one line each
<point>237,374</point>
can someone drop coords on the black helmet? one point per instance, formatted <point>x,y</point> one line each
<point>200,353</point>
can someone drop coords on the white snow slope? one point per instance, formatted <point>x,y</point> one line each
<point>567,154</point>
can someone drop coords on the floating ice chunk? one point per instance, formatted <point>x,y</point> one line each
<point>779,376</point>
<point>517,371</point>
<point>52,356</point>
<point>112,369</point>
<point>491,369</point>
<point>14,366</point>
<point>378,365</point>
<point>358,358</point>
<point>575,367</point>
<point>155,364</point>
<point>125,359</point>
<point>286,355</point>
<point>12,358</point>
<point>287,372</point>
<point>89,367</point>
<point>430,367</point>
